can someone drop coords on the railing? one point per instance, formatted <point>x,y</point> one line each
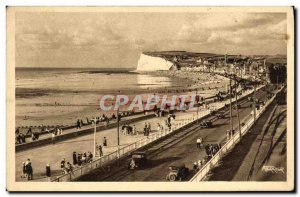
<point>229,144</point>
<point>102,161</point>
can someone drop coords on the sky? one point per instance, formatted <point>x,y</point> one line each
<point>95,39</point>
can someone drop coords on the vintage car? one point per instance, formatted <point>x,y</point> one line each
<point>206,124</point>
<point>177,173</point>
<point>220,115</point>
<point>137,161</point>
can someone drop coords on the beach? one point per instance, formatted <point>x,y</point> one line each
<point>60,97</point>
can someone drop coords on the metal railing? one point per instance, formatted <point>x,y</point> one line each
<point>229,144</point>
<point>126,150</point>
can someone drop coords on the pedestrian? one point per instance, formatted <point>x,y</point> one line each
<point>100,151</point>
<point>78,124</point>
<point>79,160</point>
<point>48,171</point>
<point>24,175</point>
<point>198,142</point>
<point>53,137</point>
<point>63,165</point>
<point>69,167</point>
<point>74,158</point>
<point>29,171</point>
<point>104,142</point>
<point>149,127</point>
<point>133,130</point>
<point>227,134</point>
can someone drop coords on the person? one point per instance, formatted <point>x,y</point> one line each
<point>123,129</point>
<point>228,134</point>
<point>100,151</point>
<point>79,160</point>
<point>78,124</point>
<point>145,129</point>
<point>29,171</point>
<point>83,158</point>
<point>199,163</point>
<point>195,166</point>
<point>104,142</point>
<point>29,132</point>
<point>74,158</point>
<point>132,164</point>
<point>63,165</point>
<point>134,131</point>
<point>69,167</point>
<point>53,137</point>
<point>24,175</point>
<point>90,157</point>
<point>149,127</point>
<point>60,131</point>
<point>198,142</point>
<point>48,171</point>
<point>158,127</point>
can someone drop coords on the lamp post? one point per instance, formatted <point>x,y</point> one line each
<point>237,110</point>
<point>95,130</point>
<point>230,94</point>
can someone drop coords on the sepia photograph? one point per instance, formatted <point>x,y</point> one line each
<point>150,99</point>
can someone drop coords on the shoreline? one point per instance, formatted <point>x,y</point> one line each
<point>39,106</point>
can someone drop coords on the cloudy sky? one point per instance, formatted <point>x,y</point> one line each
<point>117,39</point>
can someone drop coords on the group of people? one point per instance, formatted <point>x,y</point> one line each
<point>170,120</point>
<point>129,130</point>
<point>66,167</point>
<point>21,137</point>
<point>27,170</point>
<point>229,134</point>
<point>212,149</point>
<point>82,158</point>
<point>147,128</point>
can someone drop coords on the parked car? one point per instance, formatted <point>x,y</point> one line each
<point>137,161</point>
<point>177,173</point>
<point>206,124</point>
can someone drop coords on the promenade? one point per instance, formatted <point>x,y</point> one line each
<point>53,154</point>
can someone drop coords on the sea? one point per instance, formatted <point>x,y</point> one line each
<point>87,79</point>
<point>60,96</point>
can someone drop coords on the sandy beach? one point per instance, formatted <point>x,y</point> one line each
<point>44,105</point>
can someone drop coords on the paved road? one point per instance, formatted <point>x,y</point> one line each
<point>182,150</point>
<point>264,145</point>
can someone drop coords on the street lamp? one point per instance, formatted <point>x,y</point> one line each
<point>95,130</point>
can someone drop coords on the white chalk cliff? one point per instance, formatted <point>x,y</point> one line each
<point>150,63</point>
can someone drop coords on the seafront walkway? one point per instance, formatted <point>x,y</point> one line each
<point>83,128</point>
<point>53,154</point>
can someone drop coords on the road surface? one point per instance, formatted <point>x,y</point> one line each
<point>177,149</point>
